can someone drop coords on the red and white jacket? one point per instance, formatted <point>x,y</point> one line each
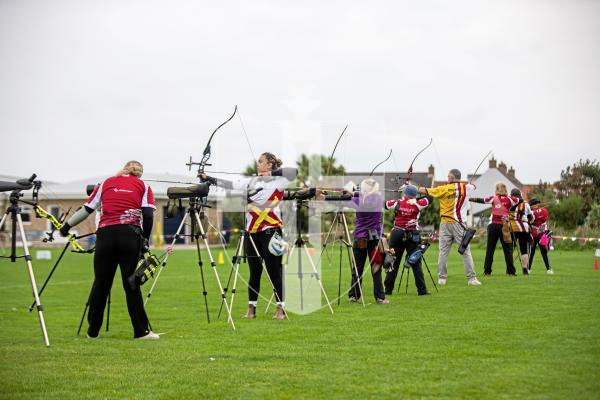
<point>407,211</point>
<point>540,223</point>
<point>122,198</point>
<point>263,207</point>
<point>501,205</point>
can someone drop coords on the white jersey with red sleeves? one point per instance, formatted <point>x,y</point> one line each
<point>122,198</point>
<point>263,207</point>
<point>407,212</point>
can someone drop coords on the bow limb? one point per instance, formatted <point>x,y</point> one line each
<point>410,169</point>
<point>479,166</point>
<point>333,152</point>
<point>206,153</point>
<point>387,158</point>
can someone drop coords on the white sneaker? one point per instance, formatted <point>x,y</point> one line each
<point>550,272</point>
<point>473,282</point>
<point>442,281</point>
<point>149,336</point>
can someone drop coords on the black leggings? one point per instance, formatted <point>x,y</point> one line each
<point>116,245</point>
<point>522,239</point>
<point>273,264</point>
<point>536,242</point>
<point>360,256</point>
<point>494,233</point>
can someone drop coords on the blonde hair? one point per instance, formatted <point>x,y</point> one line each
<point>132,168</point>
<point>501,189</point>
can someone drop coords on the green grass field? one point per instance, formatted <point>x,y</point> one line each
<point>533,337</point>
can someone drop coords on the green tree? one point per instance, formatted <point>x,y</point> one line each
<point>593,217</point>
<point>568,212</point>
<point>311,169</point>
<point>583,179</point>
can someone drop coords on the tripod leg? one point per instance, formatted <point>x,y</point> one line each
<point>340,276</point>
<point>431,276</point>
<point>351,257</point>
<point>40,308</point>
<point>87,304</point>
<point>231,271</point>
<point>213,265</point>
<point>318,278</point>
<point>62,253</point>
<point>401,276</point>
<point>407,279</point>
<point>164,263</point>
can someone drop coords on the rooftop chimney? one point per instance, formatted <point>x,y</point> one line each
<point>493,163</point>
<point>502,167</point>
<point>511,172</point>
<point>430,171</point>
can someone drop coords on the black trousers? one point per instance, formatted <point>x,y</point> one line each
<point>522,239</point>
<point>273,264</point>
<point>536,243</point>
<point>494,233</point>
<point>400,242</point>
<point>360,255</point>
<point>116,245</point>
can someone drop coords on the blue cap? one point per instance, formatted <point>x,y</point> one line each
<point>411,191</point>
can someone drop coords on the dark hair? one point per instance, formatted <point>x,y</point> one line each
<point>515,192</point>
<point>534,201</point>
<point>275,162</point>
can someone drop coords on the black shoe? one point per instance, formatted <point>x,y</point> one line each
<point>487,274</point>
<point>425,294</point>
<point>389,293</point>
<point>525,271</point>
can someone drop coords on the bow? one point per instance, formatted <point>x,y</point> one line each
<point>333,152</point>
<point>387,158</point>
<point>206,154</point>
<point>478,166</point>
<point>56,225</point>
<point>410,169</point>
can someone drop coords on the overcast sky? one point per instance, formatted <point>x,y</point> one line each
<point>88,85</point>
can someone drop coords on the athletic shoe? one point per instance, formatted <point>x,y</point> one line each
<point>525,271</point>
<point>550,272</point>
<point>473,282</point>
<point>383,301</point>
<point>149,336</point>
<point>91,337</point>
<point>352,299</point>
<point>442,281</point>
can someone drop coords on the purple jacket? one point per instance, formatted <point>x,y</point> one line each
<point>368,214</point>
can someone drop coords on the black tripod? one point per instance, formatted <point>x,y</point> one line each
<point>17,222</point>
<point>195,212</point>
<point>300,243</point>
<point>343,240</point>
<point>407,268</point>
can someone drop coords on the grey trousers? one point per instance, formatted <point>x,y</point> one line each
<point>450,233</point>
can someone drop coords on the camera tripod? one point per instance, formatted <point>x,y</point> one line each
<point>300,244</point>
<point>195,213</point>
<point>17,222</point>
<point>345,240</point>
